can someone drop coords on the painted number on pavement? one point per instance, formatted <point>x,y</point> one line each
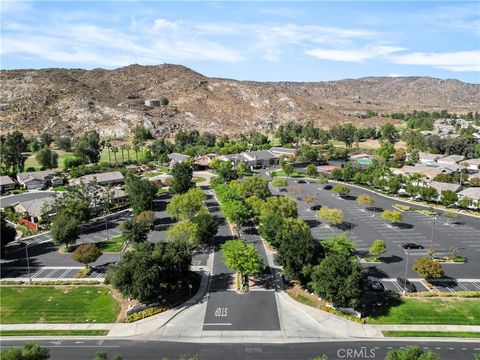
<point>221,312</point>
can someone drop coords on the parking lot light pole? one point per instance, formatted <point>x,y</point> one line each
<point>433,234</point>
<point>406,270</point>
<point>28,262</point>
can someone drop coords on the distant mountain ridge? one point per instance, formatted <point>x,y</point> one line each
<point>71,101</point>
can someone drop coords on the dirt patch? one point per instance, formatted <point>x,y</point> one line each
<point>124,304</point>
<point>298,293</point>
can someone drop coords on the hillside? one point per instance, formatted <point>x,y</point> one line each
<point>70,101</point>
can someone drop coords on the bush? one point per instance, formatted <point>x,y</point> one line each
<point>279,182</point>
<point>145,313</point>
<point>83,273</point>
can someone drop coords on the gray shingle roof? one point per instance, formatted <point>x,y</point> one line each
<point>113,176</point>
<point>6,180</point>
<point>38,175</point>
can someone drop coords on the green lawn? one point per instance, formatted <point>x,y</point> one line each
<point>432,311</point>
<point>104,156</point>
<point>114,244</point>
<point>53,332</point>
<point>460,334</point>
<point>62,304</point>
<point>58,188</point>
<point>62,155</point>
<point>294,174</point>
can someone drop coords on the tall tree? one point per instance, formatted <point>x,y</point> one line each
<point>88,147</point>
<point>242,258</point>
<point>64,229</point>
<point>29,351</point>
<point>8,233</point>
<point>46,139</point>
<point>339,279</point>
<point>86,254</point>
<point>47,158</point>
<point>11,151</point>
<point>141,193</point>
<point>185,231</point>
<point>135,231</point>
<point>296,247</point>
<point>338,244</point>
<point>187,205</point>
<point>182,178</point>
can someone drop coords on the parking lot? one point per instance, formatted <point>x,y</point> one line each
<point>365,226</point>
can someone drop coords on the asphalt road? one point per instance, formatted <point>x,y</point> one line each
<point>227,310</point>
<point>140,350</point>
<point>366,226</point>
<point>13,199</point>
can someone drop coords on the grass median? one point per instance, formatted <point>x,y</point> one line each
<point>455,334</point>
<point>53,332</point>
<point>431,311</point>
<point>114,244</point>
<point>57,304</point>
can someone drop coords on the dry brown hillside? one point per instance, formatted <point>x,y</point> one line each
<point>70,101</point>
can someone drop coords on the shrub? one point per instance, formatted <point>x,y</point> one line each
<point>279,182</point>
<point>145,313</point>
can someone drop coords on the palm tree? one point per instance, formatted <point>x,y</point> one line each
<point>123,156</point>
<point>136,148</point>
<point>115,150</point>
<point>127,147</point>
<point>107,144</point>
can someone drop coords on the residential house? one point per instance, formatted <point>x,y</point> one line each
<point>6,183</point>
<point>279,151</point>
<point>451,159</point>
<point>426,158</point>
<point>176,158</point>
<point>429,173</point>
<point>34,210</point>
<point>472,193</point>
<point>202,162</point>
<point>442,186</point>
<point>473,165</point>
<point>107,178</point>
<point>36,179</point>
<point>260,159</point>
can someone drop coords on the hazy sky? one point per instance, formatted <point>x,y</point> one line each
<point>265,41</point>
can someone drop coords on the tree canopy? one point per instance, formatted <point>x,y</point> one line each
<point>141,193</point>
<point>339,279</point>
<point>182,178</point>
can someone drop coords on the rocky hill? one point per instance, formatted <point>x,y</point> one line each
<point>70,101</point>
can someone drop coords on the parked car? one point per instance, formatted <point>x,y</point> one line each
<point>283,190</point>
<point>302,182</point>
<point>406,285</point>
<point>412,246</point>
<point>328,187</point>
<point>316,207</point>
<point>375,284</point>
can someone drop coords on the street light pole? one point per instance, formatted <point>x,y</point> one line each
<point>106,227</point>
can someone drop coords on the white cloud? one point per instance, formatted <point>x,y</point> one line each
<point>14,7</point>
<point>453,61</point>
<point>359,55</point>
<point>463,17</point>
<point>396,75</point>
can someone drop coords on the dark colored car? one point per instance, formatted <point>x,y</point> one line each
<point>283,190</point>
<point>301,182</point>
<point>406,285</point>
<point>376,285</point>
<point>316,207</point>
<point>328,187</point>
<point>412,246</point>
